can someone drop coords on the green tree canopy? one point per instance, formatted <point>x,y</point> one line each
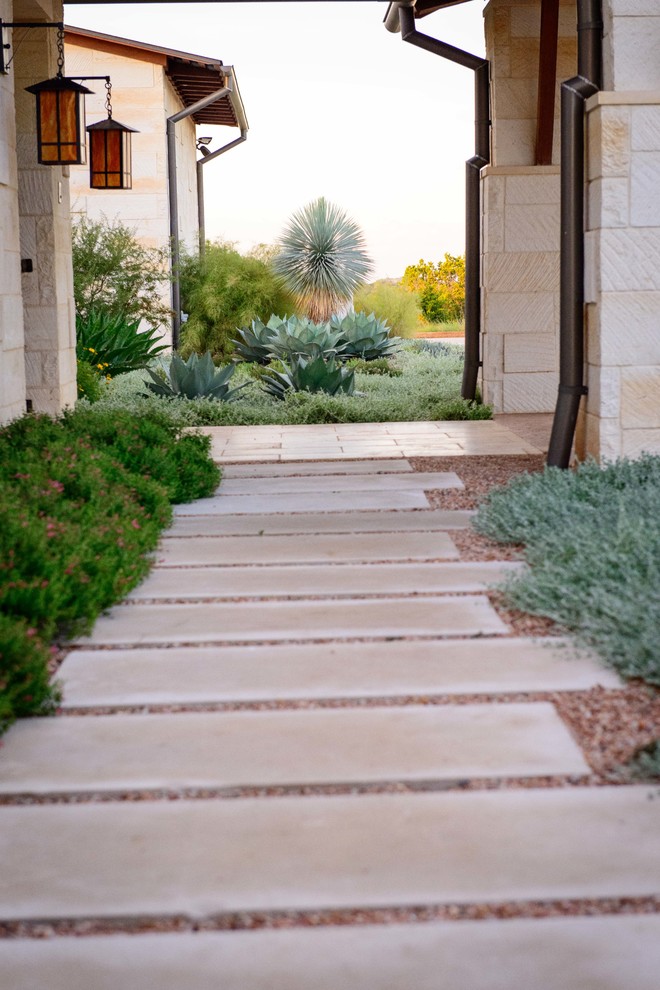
<point>441,287</point>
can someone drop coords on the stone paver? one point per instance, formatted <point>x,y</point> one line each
<point>349,483</point>
<point>315,468</point>
<point>470,615</point>
<point>239,749</point>
<point>393,521</point>
<point>303,580</point>
<point>324,548</point>
<point>319,502</point>
<point>203,857</point>
<point>606,953</point>
<point>200,674</point>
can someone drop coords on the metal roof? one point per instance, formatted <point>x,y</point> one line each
<point>192,76</point>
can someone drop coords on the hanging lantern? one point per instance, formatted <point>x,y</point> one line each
<point>110,151</point>
<point>60,116</point>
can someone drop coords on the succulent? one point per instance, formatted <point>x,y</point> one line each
<point>305,374</point>
<point>113,344</point>
<point>295,336</point>
<point>254,341</point>
<point>195,378</point>
<point>364,336</point>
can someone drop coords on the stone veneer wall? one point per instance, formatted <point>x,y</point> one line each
<point>520,271</point>
<point>45,230</point>
<point>12,362</point>
<point>623,275</point>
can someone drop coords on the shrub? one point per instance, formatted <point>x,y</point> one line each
<point>81,507</point>
<point>222,291</point>
<point>113,272</point>
<point>88,380</point>
<point>592,540</point>
<point>379,366</point>
<point>392,303</point>
<point>441,287</point>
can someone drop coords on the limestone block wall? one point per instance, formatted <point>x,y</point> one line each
<point>45,231</point>
<point>520,309</point>
<point>12,362</point>
<point>143,98</point>
<point>623,275</point>
<point>520,271</point>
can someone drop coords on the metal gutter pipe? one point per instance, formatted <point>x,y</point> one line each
<point>480,67</point>
<point>574,94</point>
<point>200,185</point>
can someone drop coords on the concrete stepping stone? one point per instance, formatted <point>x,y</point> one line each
<point>199,858</point>
<point>324,548</point>
<point>212,622</point>
<point>323,746</point>
<point>414,481</point>
<point>317,468</point>
<point>618,952</point>
<point>405,521</point>
<point>201,674</point>
<point>313,502</point>
<point>303,580</point>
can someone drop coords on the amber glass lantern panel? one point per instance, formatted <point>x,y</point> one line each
<point>60,121</point>
<point>110,155</point>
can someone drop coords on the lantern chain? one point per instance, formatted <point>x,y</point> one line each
<point>60,50</point>
<point>108,94</point>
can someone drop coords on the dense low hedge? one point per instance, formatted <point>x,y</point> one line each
<point>83,500</point>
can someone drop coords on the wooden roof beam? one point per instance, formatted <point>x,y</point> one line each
<point>545,115</point>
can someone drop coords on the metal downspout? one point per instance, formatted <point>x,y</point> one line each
<point>173,193</point>
<point>473,166</point>
<point>200,184</point>
<point>574,94</point>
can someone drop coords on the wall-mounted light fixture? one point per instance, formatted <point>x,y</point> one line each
<point>202,143</point>
<point>61,121</point>
<point>110,151</point>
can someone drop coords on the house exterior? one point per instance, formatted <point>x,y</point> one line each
<point>532,47</point>
<point>150,85</point>
<point>523,290</point>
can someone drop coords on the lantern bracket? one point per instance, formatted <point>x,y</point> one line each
<point>5,45</point>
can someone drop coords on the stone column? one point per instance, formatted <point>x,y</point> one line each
<point>623,238</point>
<point>12,364</point>
<point>45,228</point>
<point>520,275</point>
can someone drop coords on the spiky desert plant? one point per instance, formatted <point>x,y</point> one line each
<point>364,336</point>
<point>309,374</point>
<point>195,378</point>
<point>322,259</point>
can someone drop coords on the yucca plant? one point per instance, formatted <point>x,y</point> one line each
<point>322,259</point>
<point>113,344</point>
<point>364,336</point>
<point>195,378</point>
<point>304,374</point>
<point>253,345</point>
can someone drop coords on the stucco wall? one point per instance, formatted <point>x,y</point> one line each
<point>12,363</point>
<point>520,273</point>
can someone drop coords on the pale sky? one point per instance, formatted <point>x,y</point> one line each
<point>337,107</point>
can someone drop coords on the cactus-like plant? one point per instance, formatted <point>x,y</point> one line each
<point>364,336</point>
<point>295,336</point>
<point>195,378</point>
<point>254,340</point>
<point>305,374</point>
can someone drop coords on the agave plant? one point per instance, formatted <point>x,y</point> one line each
<point>305,374</point>
<point>295,336</point>
<point>364,336</point>
<point>195,378</point>
<point>113,344</point>
<point>322,259</point>
<point>254,341</point>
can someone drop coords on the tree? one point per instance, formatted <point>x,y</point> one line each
<point>322,259</point>
<point>113,272</point>
<point>441,287</point>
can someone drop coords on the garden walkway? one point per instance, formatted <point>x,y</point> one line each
<point>309,754</point>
